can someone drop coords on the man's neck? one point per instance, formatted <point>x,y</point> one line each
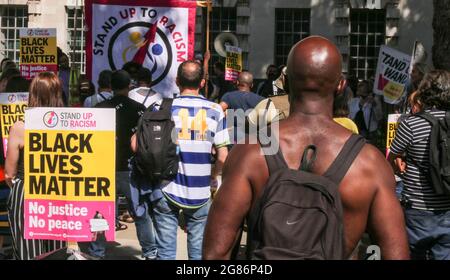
<point>244,89</point>
<point>121,93</point>
<point>313,111</point>
<point>144,85</point>
<point>194,92</point>
<point>104,90</point>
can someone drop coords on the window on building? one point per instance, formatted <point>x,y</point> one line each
<point>76,37</point>
<point>12,18</point>
<point>291,26</point>
<point>222,20</point>
<point>367,34</point>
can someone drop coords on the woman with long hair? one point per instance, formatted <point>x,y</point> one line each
<point>45,91</point>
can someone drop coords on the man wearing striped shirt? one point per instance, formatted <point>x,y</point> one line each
<point>200,127</point>
<point>427,214</point>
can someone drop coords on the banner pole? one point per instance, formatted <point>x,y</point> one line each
<point>208,18</point>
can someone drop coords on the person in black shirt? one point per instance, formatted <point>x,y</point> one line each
<point>128,113</point>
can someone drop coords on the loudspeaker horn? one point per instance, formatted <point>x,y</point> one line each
<point>224,39</point>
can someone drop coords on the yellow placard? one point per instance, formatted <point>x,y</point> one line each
<point>70,165</point>
<point>393,91</point>
<point>38,50</point>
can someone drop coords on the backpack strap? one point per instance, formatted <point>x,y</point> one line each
<point>272,152</point>
<point>166,105</point>
<point>146,97</point>
<point>446,122</point>
<point>102,96</point>
<point>428,117</point>
<point>345,158</point>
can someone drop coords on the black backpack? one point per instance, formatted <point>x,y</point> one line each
<point>157,156</point>
<point>299,215</point>
<point>439,152</point>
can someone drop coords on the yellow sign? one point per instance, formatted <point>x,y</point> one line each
<point>70,169</point>
<point>12,110</point>
<point>38,51</point>
<point>233,65</point>
<point>392,126</point>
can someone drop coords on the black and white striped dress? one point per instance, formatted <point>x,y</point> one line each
<point>413,138</point>
<point>25,249</point>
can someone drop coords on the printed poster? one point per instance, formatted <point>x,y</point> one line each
<point>158,35</point>
<point>392,126</point>
<point>38,51</point>
<point>12,110</point>
<point>69,174</point>
<point>392,74</point>
<point>233,65</point>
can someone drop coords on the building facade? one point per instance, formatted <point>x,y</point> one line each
<point>266,29</point>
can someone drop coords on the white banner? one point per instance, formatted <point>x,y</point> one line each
<point>156,34</point>
<point>392,74</point>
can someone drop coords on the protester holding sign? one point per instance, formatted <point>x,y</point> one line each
<point>45,91</point>
<point>426,212</point>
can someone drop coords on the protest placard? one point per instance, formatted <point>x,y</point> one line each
<point>392,126</point>
<point>38,51</point>
<point>158,35</point>
<point>392,74</point>
<point>12,110</point>
<point>69,173</point>
<point>233,65</point>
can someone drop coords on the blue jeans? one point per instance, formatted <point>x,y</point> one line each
<point>166,224</point>
<point>144,225</point>
<point>399,190</point>
<point>428,234</point>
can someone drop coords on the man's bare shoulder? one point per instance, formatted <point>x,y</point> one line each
<point>247,160</point>
<point>369,171</point>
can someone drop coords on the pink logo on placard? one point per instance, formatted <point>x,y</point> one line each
<point>51,119</point>
<point>12,98</point>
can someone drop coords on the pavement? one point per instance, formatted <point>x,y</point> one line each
<point>126,246</point>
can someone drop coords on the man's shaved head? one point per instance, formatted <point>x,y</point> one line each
<point>246,78</point>
<point>314,68</point>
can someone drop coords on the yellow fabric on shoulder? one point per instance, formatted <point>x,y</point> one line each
<point>348,124</point>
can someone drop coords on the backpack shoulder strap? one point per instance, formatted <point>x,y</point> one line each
<point>166,105</point>
<point>428,117</point>
<point>272,152</point>
<point>150,91</point>
<point>345,158</point>
<point>102,96</point>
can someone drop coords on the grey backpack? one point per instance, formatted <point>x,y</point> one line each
<point>300,215</point>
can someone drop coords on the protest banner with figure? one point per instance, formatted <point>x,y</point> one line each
<point>158,35</point>
<point>12,110</point>
<point>392,125</point>
<point>38,51</point>
<point>233,65</point>
<point>392,74</point>
<point>69,173</point>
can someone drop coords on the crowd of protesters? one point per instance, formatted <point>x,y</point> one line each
<point>315,103</point>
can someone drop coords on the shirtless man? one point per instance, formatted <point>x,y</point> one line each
<point>367,190</point>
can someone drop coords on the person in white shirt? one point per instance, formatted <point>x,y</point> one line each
<point>365,109</point>
<point>104,90</point>
<point>144,94</point>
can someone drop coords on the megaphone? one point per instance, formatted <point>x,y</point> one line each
<point>224,39</point>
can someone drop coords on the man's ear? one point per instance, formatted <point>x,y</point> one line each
<point>177,83</point>
<point>342,85</point>
<point>202,83</point>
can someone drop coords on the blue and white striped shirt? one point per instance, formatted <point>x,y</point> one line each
<point>200,124</point>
